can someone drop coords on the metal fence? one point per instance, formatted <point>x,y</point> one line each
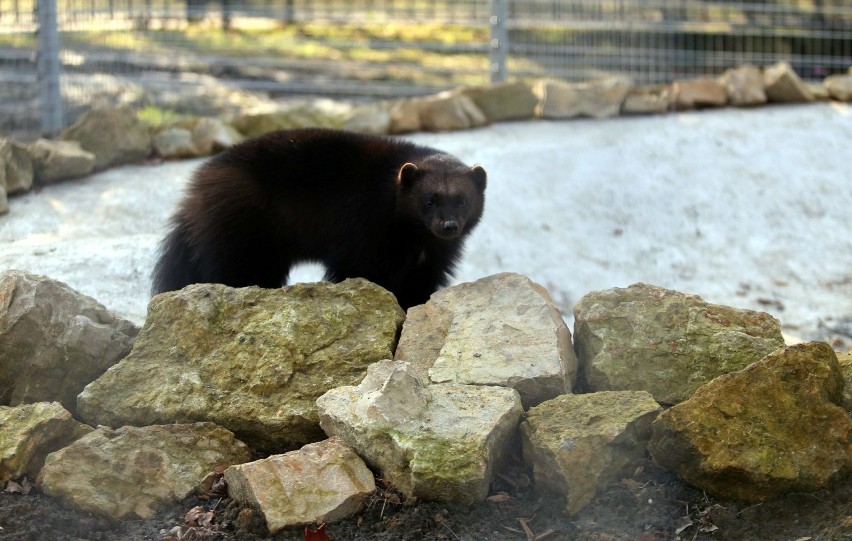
<point>199,56</point>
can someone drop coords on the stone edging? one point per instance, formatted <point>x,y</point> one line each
<point>104,138</point>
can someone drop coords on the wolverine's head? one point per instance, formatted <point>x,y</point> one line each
<point>446,196</point>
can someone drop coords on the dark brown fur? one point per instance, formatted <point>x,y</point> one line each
<point>386,210</point>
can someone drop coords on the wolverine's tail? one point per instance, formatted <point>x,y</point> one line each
<point>176,266</point>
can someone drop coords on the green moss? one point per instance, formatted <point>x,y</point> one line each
<point>158,118</point>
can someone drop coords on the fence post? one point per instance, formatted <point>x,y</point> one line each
<point>499,40</point>
<point>48,68</point>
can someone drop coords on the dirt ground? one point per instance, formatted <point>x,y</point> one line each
<point>651,505</point>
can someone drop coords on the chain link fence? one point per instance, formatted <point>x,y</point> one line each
<point>213,57</point>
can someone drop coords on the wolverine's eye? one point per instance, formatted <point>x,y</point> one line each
<point>463,202</point>
<point>430,201</point>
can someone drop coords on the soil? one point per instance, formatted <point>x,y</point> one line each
<point>652,505</point>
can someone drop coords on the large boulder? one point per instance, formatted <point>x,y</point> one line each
<point>580,444</point>
<point>442,442</point>
<point>372,118</point>
<point>211,135</point>
<point>252,360</point>
<point>839,87</point>
<point>783,85</point>
<point>774,427</point>
<point>16,167</point>
<point>503,101</point>
<point>175,143</point>
<point>845,360</point>
<point>500,330</point>
<point>134,472</point>
<point>321,482</point>
<point>692,93</point>
<point>646,338</point>
<point>321,113</point>
<point>744,86</point>
<point>59,160</point>
<point>445,111</point>
<point>595,99</point>
<point>53,340</point>
<point>114,135</point>
<point>29,432</point>
<point>302,114</point>
<point>647,100</point>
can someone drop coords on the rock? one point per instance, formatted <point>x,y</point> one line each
<point>503,101</point>
<point>371,118</point>
<point>580,444</point>
<point>321,482</point>
<point>59,160</point>
<point>321,113</point>
<point>175,143</point>
<point>211,135</point>
<point>845,361</point>
<point>839,87</point>
<point>744,86</point>
<point>689,94</point>
<point>818,91</point>
<point>28,433</point>
<point>450,111</point>
<point>774,427</point>
<point>783,85</point>
<point>595,99</point>
<point>405,116</point>
<point>646,338</point>
<point>54,340</point>
<point>501,330</point>
<point>134,472</point>
<point>445,111</point>
<point>434,442</point>
<point>647,101</point>
<point>4,200</point>
<point>252,360</point>
<point>114,136</point>
<point>16,167</point>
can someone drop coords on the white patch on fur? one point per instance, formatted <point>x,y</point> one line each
<point>306,273</point>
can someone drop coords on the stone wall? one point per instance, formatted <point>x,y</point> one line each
<point>110,137</point>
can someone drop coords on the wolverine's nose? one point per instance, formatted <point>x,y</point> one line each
<point>451,227</point>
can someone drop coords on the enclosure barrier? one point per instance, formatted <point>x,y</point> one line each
<point>60,57</point>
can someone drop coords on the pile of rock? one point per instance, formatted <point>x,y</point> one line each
<point>335,384</point>
<point>108,137</point>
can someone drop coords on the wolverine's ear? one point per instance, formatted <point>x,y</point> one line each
<point>407,174</point>
<point>479,176</point>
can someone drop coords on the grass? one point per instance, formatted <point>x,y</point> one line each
<point>306,40</point>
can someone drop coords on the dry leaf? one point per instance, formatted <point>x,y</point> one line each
<point>500,497</point>
<point>192,517</point>
<point>317,534</point>
<point>682,524</point>
<point>631,484</point>
<point>14,488</point>
<point>220,486</point>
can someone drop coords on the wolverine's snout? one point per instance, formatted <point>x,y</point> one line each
<point>447,229</point>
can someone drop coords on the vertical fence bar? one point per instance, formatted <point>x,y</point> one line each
<point>48,67</point>
<point>499,40</point>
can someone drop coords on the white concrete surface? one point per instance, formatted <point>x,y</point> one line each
<point>751,208</point>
